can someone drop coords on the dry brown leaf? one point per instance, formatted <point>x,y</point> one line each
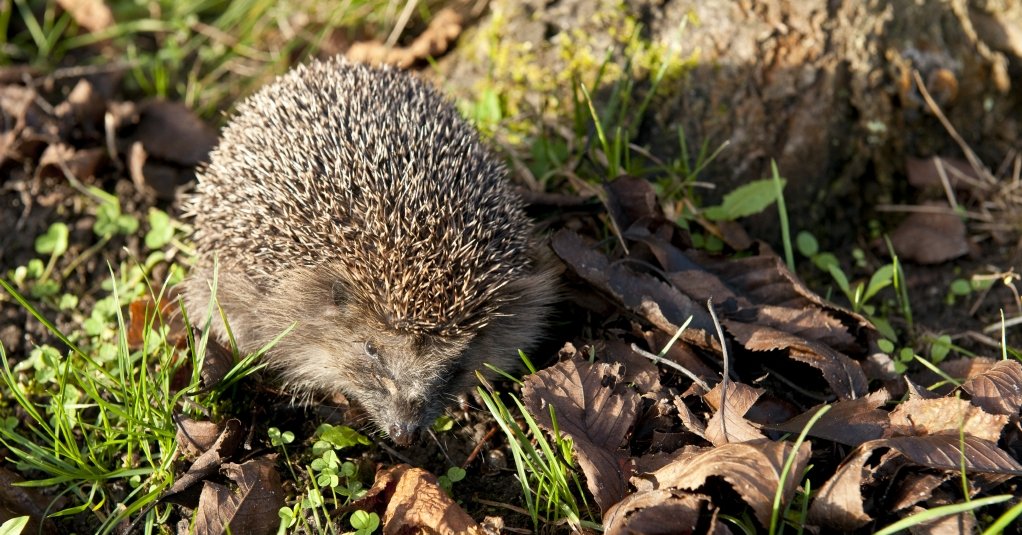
<point>249,508</point>
<point>997,390</point>
<point>915,488</point>
<point>844,375</point>
<point>206,464</point>
<point>143,312</point>
<point>839,503</point>
<point>419,505</point>
<point>947,416</point>
<point>930,238</point>
<point>665,512</point>
<point>631,201</point>
<point>944,452</point>
<point>443,29</point>
<point>688,419</point>
<point>638,370</point>
<point>922,172</point>
<point>728,424</point>
<point>597,411</point>
<point>661,305</point>
<point>765,279</point>
<point>753,469</point>
<point>196,436</point>
<point>81,163</point>
<point>93,15</point>
<point>850,422</point>
<point>414,502</point>
<point>172,132</point>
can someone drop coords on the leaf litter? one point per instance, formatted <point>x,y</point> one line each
<point>658,450</point>
<point>789,349</point>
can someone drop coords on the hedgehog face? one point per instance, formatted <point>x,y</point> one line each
<point>401,380</point>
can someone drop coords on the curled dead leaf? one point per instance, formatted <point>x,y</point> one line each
<point>594,409</point>
<point>415,503</point>
<point>661,511</point>
<point>947,416</point>
<point>997,390</point>
<point>930,238</point>
<point>250,507</point>
<point>849,421</point>
<point>753,469</point>
<point>839,503</point>
<point>728,423</point>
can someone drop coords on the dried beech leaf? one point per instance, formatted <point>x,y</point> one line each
<point>417,504</point>
<point>688,419</point>
<point>632,200</point>
<point>915,488</point>
<point>944,452</point>
<point>944,525</point>
<point>997,390</point>
<point>663,306</point>
<point>597,411</point>
<point>250,508</point>
<point>930,238</point>
<point>947,416</point>
<point>849,421</point>
<point>753,469</point>
<point>209,462</point>
<point>171,131</point>
<point>197,436</point>
<point>838,505</point>
<point>844,375</point>
<point>142,312</point>
<point>660,511</point>
<point>765,279</point>
<point>638,370</point>
<point>728,423</point>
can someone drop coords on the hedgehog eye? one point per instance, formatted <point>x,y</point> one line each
<point>370,351</point>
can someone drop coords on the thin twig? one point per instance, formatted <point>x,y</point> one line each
<point>974,161</point>
<point>402,21</point>
<point>727,367</point>
<point>670,363</point>
<point>479,447</point>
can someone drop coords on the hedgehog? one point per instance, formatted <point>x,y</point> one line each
<point>354,206</point>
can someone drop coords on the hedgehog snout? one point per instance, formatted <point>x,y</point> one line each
<point>403,418</point>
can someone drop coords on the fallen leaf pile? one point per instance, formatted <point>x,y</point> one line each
<point>159,142</point>
<point>662,450</point>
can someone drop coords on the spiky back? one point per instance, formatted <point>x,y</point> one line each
<point>371,170</point>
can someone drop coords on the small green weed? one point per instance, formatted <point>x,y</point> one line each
<point>331,481</point>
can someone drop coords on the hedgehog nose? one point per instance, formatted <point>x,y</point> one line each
<point>401,434</point>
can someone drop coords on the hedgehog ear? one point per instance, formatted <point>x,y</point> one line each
<point>339,293</point>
